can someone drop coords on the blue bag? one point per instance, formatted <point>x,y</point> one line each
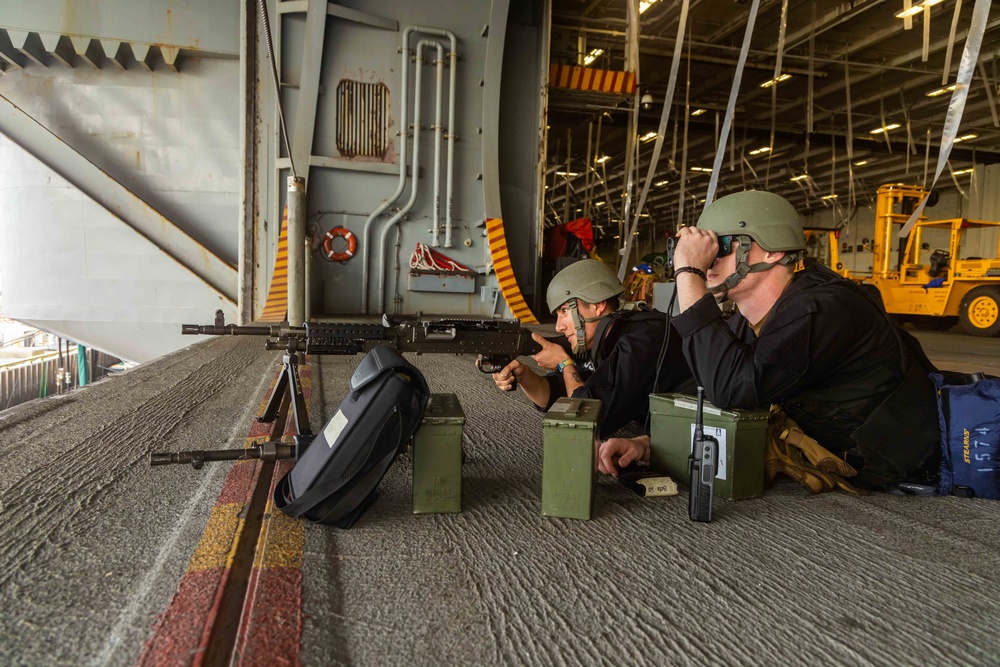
<point>969,415</point>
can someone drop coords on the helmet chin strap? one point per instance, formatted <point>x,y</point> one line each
<point>580,346</point>
<point>743,267</point>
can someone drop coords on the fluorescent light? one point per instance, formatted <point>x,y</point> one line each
<point>706,169</point>
<point>917,8</point>
<point>962,172</point>
<point>880,130</point>
<point>602,159</point>
<point>829,197</point>
<point>660,184</point>
<point>563,173</point>
<point>599,203</point>
<point>592,56</point>
<point>941,91</point>
<point>698,112</point>
<point>965,137</point>
<point>867,160</point>
<point>778,79</point>
<point>649,136</point>
<point>800,177</point>
<point>643,6</point>
<point>762,149</point>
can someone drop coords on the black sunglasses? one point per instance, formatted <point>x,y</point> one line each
<point>726,245</point>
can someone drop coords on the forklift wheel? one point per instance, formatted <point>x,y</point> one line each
<point>979,311</point>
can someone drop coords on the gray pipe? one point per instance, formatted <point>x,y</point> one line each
<point>394,220</point>
<point>438,87</point>
<point>403,105</point>
<point>296,254</point>
<point>452,84</point>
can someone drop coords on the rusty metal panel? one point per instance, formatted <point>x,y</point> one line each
<point>362,119</point>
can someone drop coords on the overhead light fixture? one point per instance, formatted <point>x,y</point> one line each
<point>703,169</point>
<point>644,5</point>
<point>599,203</point>
<point>660,184</point>
<point>762,149</point>
<point>649,136</point>
<point>916,9</point>
<point>592,56</point>
<point>602,159</point>
<point>829,197</point>
<point>966,137</point>
<point>941,91</point>
<point>867,160</point>
<point>962,172</point>
<point>885,128</point>
<point>777,79</point>
<point>565,173</point>
<point>800,177</point>
<point>698,112</point>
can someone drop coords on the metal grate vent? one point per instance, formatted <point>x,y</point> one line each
<point>362,119</point>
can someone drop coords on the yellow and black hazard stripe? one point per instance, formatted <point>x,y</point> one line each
<point>505,272</point>
<point>591,79</point>
<point>276,306</point>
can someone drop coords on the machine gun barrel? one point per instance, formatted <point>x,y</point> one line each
<point>268,451</point>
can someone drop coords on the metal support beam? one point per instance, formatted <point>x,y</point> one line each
<point>312,60</point>
<point>113,51</point>
<point>8,53</point>
<point>170,54</point>
<point>30,45</point>
<point>118,200</point>
<point>89,50</point>
<point>142,55</point>
<point>60,48</point>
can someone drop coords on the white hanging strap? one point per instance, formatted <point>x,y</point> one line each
<point>812,57</point>
<point>907,17</point>
<point>956,107</point>
<point>951,43</point>
<point>731,107</point>
<point>927,158</point>
<point>668,102</point>
<point>955,181</point>
<point>881,112</point>
<point>925,52</point>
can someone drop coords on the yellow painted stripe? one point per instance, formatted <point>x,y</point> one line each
<point>218,541</point>
<point>591,78</point>
<point>276,305</point>
<point>505,273</point>
<point>283,540</point>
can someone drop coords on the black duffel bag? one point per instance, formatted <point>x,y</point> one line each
<point>336,478</point>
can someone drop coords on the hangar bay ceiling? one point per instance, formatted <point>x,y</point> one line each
<point>861,96</point>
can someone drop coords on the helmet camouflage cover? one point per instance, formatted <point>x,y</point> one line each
<point>589,279</point>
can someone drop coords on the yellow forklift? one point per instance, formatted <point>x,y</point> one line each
<point>927,281</point>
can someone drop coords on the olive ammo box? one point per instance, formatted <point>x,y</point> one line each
<point>741,435</point>
<point>437,457</point>
<point>568,471</point>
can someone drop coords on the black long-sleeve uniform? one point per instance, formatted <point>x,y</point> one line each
<point>622,373</point>
<point>830,357</point>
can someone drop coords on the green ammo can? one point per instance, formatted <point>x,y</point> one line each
<point>437,457</point>
<point>741,435</point>
<point>569,472</point>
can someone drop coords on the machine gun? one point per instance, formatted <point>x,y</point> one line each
<point>702,465</point>
<point>495,342</point>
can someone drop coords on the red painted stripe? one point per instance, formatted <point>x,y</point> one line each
<point>271,634</point>
<point>180,627</point>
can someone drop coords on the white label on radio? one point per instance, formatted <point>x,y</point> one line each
<point>720,435</point>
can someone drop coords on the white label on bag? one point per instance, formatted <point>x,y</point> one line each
<point>334,428</point>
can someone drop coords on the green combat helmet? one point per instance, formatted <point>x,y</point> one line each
<point>589,280</point>
<point>764,217</point>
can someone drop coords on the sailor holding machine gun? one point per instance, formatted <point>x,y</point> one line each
<point>619,353</point>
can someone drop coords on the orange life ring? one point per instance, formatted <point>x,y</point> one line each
<point>352,245</point>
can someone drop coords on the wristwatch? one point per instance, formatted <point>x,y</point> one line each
<point>564,363</point>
